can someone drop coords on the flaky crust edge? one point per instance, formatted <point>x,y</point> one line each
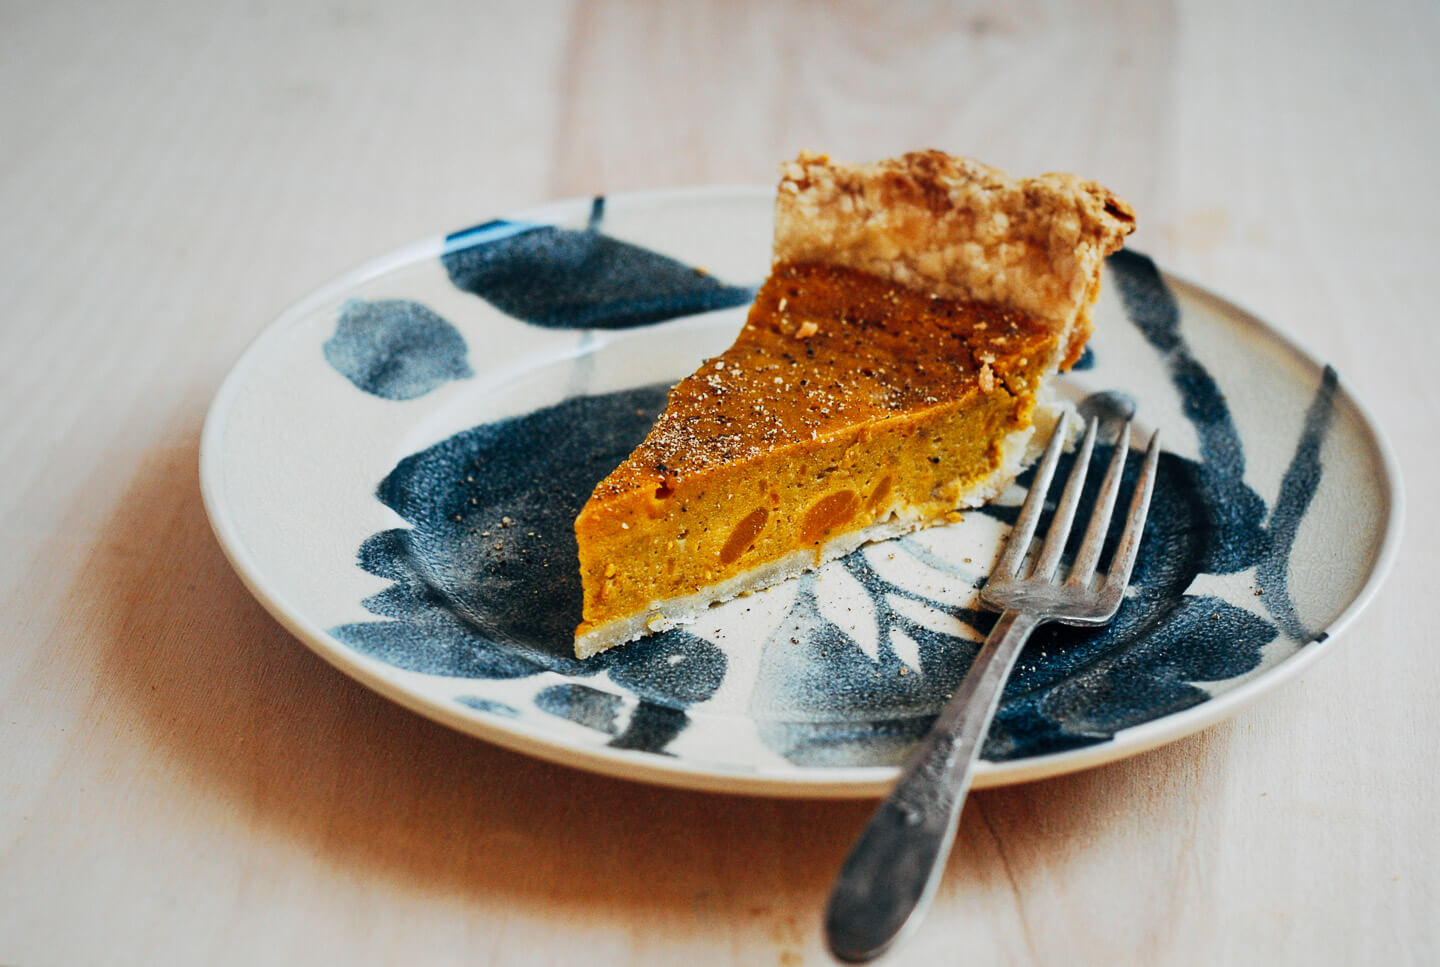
<point>958,228</point>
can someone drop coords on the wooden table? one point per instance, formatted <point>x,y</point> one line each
<point>181,782</point>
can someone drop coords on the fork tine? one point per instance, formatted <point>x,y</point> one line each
<point>1064,517</point>
<point>1129,546</point>
<point>1085,558</point>
<point>1024,530</point>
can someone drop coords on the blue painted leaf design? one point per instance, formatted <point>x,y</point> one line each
<point>563,278</point>
<point>485,583</point>
<point>395,349</point>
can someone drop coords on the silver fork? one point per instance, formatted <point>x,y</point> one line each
<point>890,876</point>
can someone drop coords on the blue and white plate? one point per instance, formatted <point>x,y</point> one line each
<point>395,464</point>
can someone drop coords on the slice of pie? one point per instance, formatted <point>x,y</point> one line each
<point>892,370</point>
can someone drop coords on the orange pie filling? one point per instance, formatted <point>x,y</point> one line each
<point>850,408</point>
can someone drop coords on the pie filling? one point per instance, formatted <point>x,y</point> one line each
<point>849,406</point>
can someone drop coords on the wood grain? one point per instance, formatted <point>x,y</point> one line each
<point>182,782</point>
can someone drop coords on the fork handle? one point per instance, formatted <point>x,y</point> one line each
<point>893,869</point>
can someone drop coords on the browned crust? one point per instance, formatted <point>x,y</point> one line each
<point>960,229</point>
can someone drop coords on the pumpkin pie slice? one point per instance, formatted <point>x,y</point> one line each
<point>891,372</point>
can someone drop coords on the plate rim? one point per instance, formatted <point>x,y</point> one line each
<point>841,782</point>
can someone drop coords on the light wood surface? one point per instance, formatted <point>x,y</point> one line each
<point>181,782</point>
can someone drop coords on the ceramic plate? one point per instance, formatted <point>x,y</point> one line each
<point>394,466</point>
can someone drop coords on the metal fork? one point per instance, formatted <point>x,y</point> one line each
<point>890,876</point>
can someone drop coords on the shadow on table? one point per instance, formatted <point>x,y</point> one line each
<point>248,714</point>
